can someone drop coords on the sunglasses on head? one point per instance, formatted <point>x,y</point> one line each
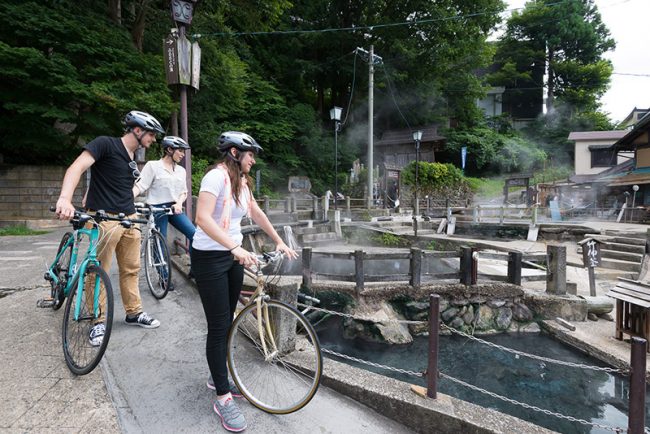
<point>133,165</point>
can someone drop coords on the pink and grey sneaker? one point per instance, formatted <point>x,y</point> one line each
<point>231,416</point>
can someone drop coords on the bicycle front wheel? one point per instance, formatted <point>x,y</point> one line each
<point>81,355</point>
<point>157,265</point>
<point>284,377</point>
<point>62,271</point>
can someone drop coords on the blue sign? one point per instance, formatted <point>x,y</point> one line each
<point>463,155</point>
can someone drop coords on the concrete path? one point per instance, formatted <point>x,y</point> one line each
<point>148,381</point>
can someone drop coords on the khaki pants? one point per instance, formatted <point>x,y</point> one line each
<point>126,245</point>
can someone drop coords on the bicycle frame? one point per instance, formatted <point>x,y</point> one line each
<point>262,312</point>
<point>89,258</point>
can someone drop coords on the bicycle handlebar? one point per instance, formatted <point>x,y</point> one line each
<point>81,216</point>
<point>267,258</point>
<point>143,208</point>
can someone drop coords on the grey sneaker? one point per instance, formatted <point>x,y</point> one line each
<point>143,320</point>
<point>234,390</point>
<point>231,417</point>
<point>96,336</point>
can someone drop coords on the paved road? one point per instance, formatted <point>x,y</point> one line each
<point>155,379</point>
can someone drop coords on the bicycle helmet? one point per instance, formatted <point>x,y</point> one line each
<point>174,143</point>
<point>143,120</point>
<point>241,141</point>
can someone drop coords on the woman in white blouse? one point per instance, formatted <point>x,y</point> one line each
<point>165,184</point>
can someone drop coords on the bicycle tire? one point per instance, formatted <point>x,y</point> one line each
<point>80,356</point>
<point>62,271</point>
<point>287,381</point>
<point>158,271</point>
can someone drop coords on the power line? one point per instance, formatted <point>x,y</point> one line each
<point>354,76</point>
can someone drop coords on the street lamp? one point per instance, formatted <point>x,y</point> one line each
<point>335,115</point>
<point>635,188</point>
<point>417,136</point>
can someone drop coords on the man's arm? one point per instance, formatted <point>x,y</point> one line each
<point>64,207</point>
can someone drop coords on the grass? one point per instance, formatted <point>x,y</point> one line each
<point>19,230</point>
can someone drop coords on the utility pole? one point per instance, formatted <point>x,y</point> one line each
<point>371,103</point>
<point>372,59</point>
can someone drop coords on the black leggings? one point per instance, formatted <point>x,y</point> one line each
<point>219,279</point>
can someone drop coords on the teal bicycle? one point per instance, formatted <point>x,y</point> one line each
<point>88,288</point>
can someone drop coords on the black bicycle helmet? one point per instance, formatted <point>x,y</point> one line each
<point>143,120</point>
<point>174,143</point>
<point>241,141</point>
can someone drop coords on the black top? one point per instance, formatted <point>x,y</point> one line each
<point>111,178</point>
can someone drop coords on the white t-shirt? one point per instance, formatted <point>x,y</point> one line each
<point>214,183</point>
<point>161,184</point>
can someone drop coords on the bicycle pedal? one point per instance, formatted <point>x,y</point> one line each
<point>45,303</point>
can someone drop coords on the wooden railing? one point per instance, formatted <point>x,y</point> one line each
<point>467,274</point>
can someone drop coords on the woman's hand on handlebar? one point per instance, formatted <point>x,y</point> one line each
<point>289,252</point>
<point>244,257</point>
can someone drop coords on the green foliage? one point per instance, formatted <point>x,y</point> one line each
<point>390,240</point>
<point>68,74</point>
<point>19,230</point>
<point>567,37</point>
<point>491,152</point>
<point>437,180</point>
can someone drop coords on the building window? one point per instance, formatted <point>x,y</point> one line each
<point>602,158</point>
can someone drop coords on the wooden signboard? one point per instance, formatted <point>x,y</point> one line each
<point>184,60</point>
<point>170,51</point>
<point>196,65</point>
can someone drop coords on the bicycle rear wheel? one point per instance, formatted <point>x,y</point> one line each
<point>157,265</point>
<point>80,355</point>
<point>62,271</point>
<point>288,378</point>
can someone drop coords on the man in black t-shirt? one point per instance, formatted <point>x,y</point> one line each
<point>113,173</point>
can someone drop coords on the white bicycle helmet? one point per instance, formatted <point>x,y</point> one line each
<point>143,120</point>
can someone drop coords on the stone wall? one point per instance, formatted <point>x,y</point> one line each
<point>27,192</point>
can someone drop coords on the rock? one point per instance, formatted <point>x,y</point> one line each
<point>592,317</point>
<point>449,314</point>
<point>496,303</point>
<point>606,317</point>
<point>521,313</point>
<point>484,317</point>
<point>533,327</point>
<point>457,323</point>
<point>444,304</point>
<point>503,318</point>
<point>468,317</point>
<point>391,332</point>
<point>459,302</point>
<point>477,299</point>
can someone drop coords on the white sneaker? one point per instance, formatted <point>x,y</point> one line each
<point>97,334</point>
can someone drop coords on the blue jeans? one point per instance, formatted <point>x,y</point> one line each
<point>179,221</point>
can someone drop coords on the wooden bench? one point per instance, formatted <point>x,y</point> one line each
<point>632,308</point>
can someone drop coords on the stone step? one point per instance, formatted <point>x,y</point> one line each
<point>617,264</point>
<point>325,236</point>
<point>615,254</point>
<point>620,247</point>
<point>304,230</point>
<point>618,239</point>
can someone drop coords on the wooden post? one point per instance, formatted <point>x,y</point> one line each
<point>314,206</point>
<point>556,269</point>
<point>358,270</point>
<point>636,418</point>
<point>432,365</point>
<point>466,265</point>
<point>534,218</point>
<point>287,204</point>
<point>267,204</point>
<point>514,267</point>
<point>475,215</point>
<point>592,281</point>
<point>348,207</point>
<point>415,267</point>
<point>503,215</point>
<point>306,267</point>
<point>474,279</point>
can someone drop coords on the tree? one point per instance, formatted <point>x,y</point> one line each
<point>568,38</point>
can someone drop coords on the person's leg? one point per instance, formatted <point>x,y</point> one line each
<point>127,252</point>
<point>235,283</point>
<point>161,220</point>
<point>183,223</point>
<point>211,273</point>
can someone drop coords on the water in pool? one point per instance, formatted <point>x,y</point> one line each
<point>595,396</point>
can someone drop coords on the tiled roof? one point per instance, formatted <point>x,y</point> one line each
<point>400,137</point>
<point>597,135</point>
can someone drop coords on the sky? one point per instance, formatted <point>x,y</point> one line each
<point>627,21</point>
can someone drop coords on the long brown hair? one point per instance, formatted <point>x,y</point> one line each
<point>236,177</point>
